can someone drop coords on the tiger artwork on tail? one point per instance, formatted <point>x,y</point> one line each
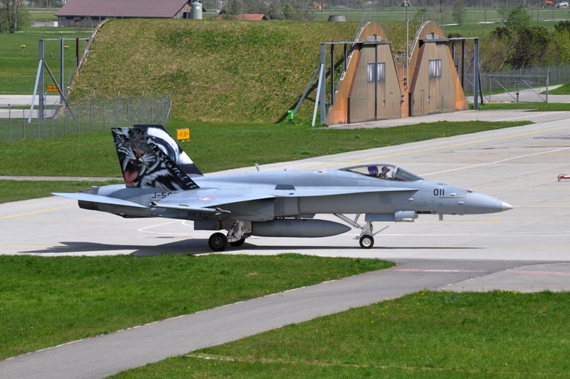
<point>150,158</point>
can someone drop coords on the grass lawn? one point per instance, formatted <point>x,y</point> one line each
<point>48,301</point>
<point>243,145</point>
<point>562,90</point>
<point>18,66</point>
<point>11,190</point>
<point>426,334</point>
<point>536,107</point>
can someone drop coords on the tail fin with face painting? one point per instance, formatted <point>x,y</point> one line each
<point>150,158</point>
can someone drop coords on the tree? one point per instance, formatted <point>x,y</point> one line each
<point>12,16</point>
<point>528,46</point>
<point>421,15</point>
<point>518,17</point>
<point>288,11</point>
<point>298,10</point>
<point>459,10</point>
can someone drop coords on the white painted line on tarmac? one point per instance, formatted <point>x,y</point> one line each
<point>499,161</point>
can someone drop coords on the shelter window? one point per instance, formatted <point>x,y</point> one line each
<point>380,72</point>
<point>435,68</point>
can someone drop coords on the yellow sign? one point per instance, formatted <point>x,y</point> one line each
<point>51,88</point>
<point>182,134</point>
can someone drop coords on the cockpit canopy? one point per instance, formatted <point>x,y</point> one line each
<point>383,171</point>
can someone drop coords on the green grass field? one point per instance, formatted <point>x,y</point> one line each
<point>18,66</point>
<point>94,154</point>
<point>45,302</point>
<point>535,107</point>
<point>478,21</point>
<point>427,334</point>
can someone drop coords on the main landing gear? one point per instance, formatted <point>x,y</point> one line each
<point>366,237</point>
<point>218,242</point>
<point>237,234</point>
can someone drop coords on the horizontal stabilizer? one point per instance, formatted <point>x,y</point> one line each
<point>98,199</point>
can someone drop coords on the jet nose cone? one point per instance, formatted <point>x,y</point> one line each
<point>477,203</point>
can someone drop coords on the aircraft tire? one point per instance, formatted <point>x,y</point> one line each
<point>366,241</point>
<point>218,242</point>
<point>237,243</point>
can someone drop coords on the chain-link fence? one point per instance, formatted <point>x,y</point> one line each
<point>513,82</point>
<point>83,116</point>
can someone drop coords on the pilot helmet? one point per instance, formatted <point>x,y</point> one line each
<point>373,170</point>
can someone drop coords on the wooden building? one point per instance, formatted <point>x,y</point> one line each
<point>90,12</point>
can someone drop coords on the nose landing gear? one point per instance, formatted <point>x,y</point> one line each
<point>366,237</point>
<point>366,241</point>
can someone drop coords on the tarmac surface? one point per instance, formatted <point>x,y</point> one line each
<point>525,249</point>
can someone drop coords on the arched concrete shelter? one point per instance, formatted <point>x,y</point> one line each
<point>373,87</point>
<point>434,84</point>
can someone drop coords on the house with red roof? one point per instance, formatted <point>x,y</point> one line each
<point>90,12</point>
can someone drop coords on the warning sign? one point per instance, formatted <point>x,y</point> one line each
<point>183,134</point>
<point>51,88</point>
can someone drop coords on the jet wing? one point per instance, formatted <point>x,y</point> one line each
<point>206,199</point>
<point>98,199</point>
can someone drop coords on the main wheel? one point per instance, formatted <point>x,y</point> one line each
<point>218,242</point>
<point>238,242</point>
<point>366,241</point>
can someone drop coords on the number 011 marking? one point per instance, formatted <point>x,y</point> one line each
<point>439,192</point>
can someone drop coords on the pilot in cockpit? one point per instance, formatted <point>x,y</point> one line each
<point>373,170</point>
<point>383,173</point>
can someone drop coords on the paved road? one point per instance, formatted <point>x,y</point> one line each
<point>526,249</point>
<point>24,100</point>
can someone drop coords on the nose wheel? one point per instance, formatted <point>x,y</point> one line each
<point>366,241</point>
<point>367,234</point>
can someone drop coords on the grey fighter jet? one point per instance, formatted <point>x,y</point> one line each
<point>162,181</point>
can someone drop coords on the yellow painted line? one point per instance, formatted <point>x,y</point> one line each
<point>371,159</point>
<point>34,212</point>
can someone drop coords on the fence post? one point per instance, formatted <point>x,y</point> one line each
<point>142,103</point>
<point>117,100</point>
<point>79,116</point>
<point>547,78</point>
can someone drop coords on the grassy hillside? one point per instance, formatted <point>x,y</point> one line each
<point>216,70</point>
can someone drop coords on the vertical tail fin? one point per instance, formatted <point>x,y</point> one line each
<point>150,158</point>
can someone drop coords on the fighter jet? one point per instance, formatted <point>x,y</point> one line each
<point>162,181</point>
